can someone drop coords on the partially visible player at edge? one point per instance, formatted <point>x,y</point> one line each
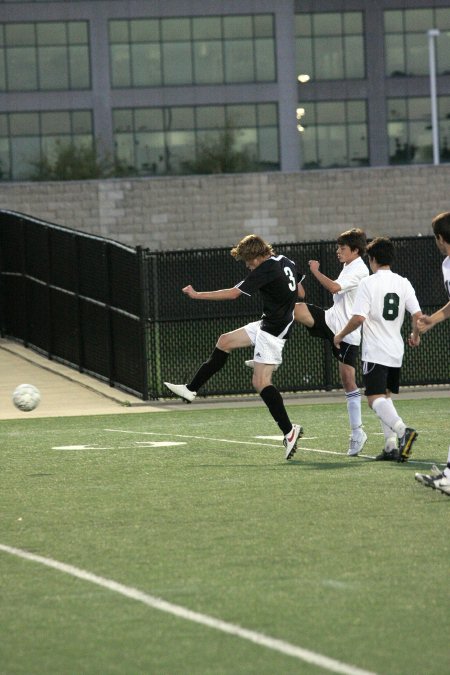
<point>380,305</point>
<point>325,323</point>
<point>441,228</point>
<point>275,277</point>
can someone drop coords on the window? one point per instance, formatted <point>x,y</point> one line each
<point>333,134</point>
<point>410,132</point>
<point>166,140</point>
<point>197,50</point>
<point>28,137</point>
<point>330,45</point>
<point>44,56</point>
<point>406,41</point>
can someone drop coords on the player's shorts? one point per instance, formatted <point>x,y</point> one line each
<point>268,348</point>
<point>378,379</point>
<point>346,353</point>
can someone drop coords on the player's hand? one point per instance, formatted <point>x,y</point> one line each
<point>190,291</point>
<point>414,341</point>
<point>314,265</point>
<point>337,340</point>
<point>424,323</point>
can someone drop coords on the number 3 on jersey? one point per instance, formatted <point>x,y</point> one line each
<point>390,306</point>
<point>292,283</point>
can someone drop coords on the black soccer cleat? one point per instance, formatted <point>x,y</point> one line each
<point>405,444</point>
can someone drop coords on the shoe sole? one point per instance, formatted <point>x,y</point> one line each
<point>293,450</point>
<point>406,451</point>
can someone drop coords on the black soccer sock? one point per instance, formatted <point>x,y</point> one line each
<point>215,362</point>
<point>274,401</point>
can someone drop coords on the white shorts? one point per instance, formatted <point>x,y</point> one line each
<point>268,348</point>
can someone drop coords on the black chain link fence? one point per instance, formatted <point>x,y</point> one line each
<point>118,313</point>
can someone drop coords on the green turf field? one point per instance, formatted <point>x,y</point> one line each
<point>343,558</point>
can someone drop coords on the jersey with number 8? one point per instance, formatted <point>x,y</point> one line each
<point>382,299</point>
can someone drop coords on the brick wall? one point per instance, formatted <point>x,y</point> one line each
<point>193,211</point>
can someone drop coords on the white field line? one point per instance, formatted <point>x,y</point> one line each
<point>270,445</point>
<point>183,613</point>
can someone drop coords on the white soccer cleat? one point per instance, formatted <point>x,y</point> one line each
<point>357,442</point>
<point>182,391</point>
<point>436,480</point>
<point>290,440</point>
<point>251,364</point>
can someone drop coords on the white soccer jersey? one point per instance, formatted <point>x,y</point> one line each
<point>382,299</point>
<point>446,274</point>
<point>338,315</point>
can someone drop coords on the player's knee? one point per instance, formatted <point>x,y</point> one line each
<point>223,342</point>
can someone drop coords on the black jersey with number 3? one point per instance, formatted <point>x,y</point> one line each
<point>276,280</point>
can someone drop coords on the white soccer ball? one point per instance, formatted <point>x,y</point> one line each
<point>26,397</point>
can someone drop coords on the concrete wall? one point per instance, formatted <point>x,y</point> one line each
<point>194,212</point>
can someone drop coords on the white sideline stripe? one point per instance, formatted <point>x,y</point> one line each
<point>189,615</point>
<point>269,445</point>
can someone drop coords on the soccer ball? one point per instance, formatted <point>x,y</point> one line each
<point>26,397</point>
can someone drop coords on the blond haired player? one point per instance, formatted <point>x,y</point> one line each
<point>275,277</point>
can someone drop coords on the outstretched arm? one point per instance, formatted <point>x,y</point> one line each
<point>223,294</point>
<point>355,322</point>
<point>426,322</point>
<point>325,281</point>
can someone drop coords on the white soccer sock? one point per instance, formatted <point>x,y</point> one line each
<point>385,410</point>
<point>354,408</point>
<point>390,438</point>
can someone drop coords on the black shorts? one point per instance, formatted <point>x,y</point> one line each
<point>378,379</point>
<point>346,353</point>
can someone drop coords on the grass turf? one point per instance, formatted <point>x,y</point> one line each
<point>342,556</point>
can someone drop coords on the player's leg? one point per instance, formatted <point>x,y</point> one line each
<point>225,344</point>
<point>303,315</point>
<point>347,359</point>
<point>268,354</point>
<point>384,408</point>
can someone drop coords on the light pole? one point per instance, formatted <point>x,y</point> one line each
<point>432,34</point>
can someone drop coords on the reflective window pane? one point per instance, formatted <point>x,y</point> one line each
<point>51,33</point>
<point>79,68</point>
<point>395,56</point>
<point>416,54</point>
<point>146,65</point>
<point>206,28</point>
<point>173,30</point>
<point>177,63</point>
<point>328,58</point>
<point>237,27</point>
<point>239,61</point>
<point>208,62</point>
<point>120,66</point>
<point>21,69</point>
<point>327,23</point>
<point>265,61</point>
<point>53,68</point>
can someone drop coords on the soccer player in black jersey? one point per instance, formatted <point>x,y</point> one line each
<point>275,277</point>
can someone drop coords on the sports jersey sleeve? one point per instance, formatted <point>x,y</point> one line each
<point>257,278</point>
<point>361,306</point>
<point>349,281</point>
<point>411,302</point>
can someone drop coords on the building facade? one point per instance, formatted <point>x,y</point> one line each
<point>283,85</point>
